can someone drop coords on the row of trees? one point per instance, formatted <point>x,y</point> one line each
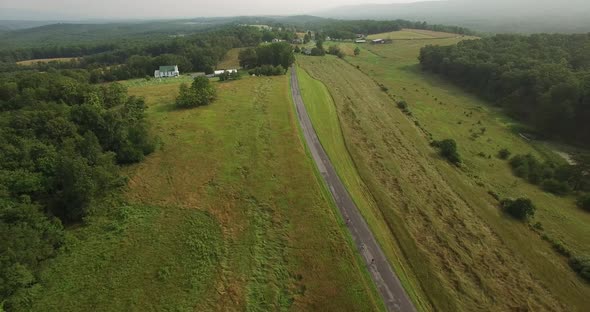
<point>540,79</point>
<point>62,141</point>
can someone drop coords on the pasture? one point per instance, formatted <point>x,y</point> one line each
<point>457,250</point>
<point>228,214</point>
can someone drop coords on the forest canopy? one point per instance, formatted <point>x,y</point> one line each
<point>62,141</point>
<point>543,80</point>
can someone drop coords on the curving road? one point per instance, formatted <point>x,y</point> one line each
<point>392,292</point>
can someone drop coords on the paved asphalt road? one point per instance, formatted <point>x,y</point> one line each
<point>388,284</point>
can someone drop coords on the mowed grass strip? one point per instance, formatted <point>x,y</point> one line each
<point>241,160</point>
<point>449,229</point>
<point>230,60</point>
<point>47,60</point>
<point>324,116</point>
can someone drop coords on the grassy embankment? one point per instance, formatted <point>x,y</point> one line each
<point>226,215</point>
<point>457,248</point>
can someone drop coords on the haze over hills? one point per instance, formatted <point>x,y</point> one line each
<point>528,16</point>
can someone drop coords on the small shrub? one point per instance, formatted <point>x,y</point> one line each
<point>538,226</point>
<point>504,153</point>
<point>448,150</point>
<point>584,202</point>
<point>581,266</point>
<point>560,248</point>
<point>401,104</point>
<point>555,187</point>
<point>521,208</point>
<point>494,195</point>
<point>383,87</point>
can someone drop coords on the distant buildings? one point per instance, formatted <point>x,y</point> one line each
<point>297,41</point>
<point>378,41</point>
<point>167,71</point>
<point>360,41</point>
<point>221,71</point>
<point>277,40</point>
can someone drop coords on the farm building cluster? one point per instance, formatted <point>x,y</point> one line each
<point>172,71</point>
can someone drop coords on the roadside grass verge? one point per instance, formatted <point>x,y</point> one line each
<point>324,116</point>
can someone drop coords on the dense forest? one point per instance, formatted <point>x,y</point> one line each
<point>543,80</point>
<point>62,142</point>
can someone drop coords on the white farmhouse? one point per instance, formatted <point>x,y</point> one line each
<point>167,71</point>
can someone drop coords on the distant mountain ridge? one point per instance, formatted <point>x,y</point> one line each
<point>526,16</point>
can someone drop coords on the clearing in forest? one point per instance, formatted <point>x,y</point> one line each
<point>230,60</point>
<point>46,60</point>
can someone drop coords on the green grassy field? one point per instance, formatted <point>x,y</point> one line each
<point>412,34</point>
<point>227,215</point>
<point>459,251</point>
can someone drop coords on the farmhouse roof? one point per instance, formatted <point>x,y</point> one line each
<point>168,68</point>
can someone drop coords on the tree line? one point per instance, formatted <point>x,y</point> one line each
<point>63,141</point>
<point>267,58</point>
<point>543,80</point>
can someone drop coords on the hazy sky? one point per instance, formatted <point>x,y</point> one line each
<point>178,8</point>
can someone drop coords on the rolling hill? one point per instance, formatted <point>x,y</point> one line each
<point>526,16</point>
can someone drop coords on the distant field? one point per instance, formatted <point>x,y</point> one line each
<point>230,61</point>
<point>47,60</point>
<point>456,247</point>
<point>406,34</point>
